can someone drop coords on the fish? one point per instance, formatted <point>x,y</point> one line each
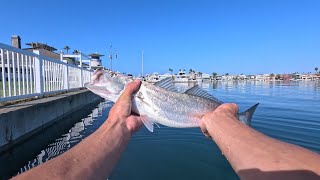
<point>161,103</point>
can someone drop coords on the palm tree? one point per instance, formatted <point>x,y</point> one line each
<point>171,70</point>
<point>227,74</point>
<point>190,71</point>
<point>214,75</point>
<point>316,69</point>
<point>66,48</point>
<point>76,52</point>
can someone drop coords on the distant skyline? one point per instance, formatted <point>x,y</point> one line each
<point>249,37</point>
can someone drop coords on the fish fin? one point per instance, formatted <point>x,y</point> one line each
<point>166,83</point>
<point>97,90</point>
<point>246,116</point>
<point>197,91</point>
<point>147,122</point>
<point>156,124</point>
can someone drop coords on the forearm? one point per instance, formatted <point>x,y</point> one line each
<point>93,158</point>
<point>246,148</point>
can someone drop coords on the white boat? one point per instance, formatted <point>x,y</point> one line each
<point>153,78</point>
<point>181,77</point>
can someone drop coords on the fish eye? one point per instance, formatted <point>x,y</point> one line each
<point>140,95</point>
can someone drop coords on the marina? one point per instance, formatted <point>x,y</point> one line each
<point>279,115</point>
<point>183,77</point>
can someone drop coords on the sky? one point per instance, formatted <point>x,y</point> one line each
<point>226,36</point>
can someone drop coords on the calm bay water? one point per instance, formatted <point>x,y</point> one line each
<point>289,111</point>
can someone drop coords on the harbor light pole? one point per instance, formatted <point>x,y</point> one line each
<point>110,56</point>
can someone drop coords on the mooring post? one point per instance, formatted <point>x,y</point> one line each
<point>38,72</point>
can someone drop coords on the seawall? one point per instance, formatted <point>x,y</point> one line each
<point>22,120</point>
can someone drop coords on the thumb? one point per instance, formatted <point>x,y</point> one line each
<point>129,90</point>
<point>231,108</point>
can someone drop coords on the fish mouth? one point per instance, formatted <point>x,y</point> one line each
<point>99,90</point>
<point>86,84</point>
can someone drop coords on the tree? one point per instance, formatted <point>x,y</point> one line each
<point>214,74</point>
<point>171,70</point>
<point>278,77</point>
<point>66,48</point>
<point>76,52</point>
<point>272,76</point>
<point>227,74</point>
<point>316,69</point>
<point>190,71</point>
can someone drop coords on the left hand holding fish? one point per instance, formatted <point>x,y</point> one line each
<point>121,111</point>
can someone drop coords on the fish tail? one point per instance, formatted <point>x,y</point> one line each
<point>246,116</point>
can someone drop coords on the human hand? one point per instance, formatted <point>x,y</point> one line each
<point>224,111</point>
<point>121,110</point>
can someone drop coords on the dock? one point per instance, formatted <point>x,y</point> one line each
<point>39,87</point>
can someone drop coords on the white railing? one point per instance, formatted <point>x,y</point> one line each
<point>25,74</point>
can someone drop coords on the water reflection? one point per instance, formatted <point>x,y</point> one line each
<point>67,140</point>
<point>54,140</point>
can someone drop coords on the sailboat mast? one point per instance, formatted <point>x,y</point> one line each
<point>142,64</point>
<point>110,56</point>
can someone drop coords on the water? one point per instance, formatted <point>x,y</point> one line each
<point>289,111</point>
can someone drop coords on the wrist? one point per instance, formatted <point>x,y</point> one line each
<point>217,124</point>
<point>117,124</point>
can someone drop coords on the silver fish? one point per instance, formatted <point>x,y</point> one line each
<point>160,102</point>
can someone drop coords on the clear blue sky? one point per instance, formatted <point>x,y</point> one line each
<point>250,37</point>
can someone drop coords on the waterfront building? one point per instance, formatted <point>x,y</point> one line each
<point>316,76</point>
<point>297,76</point>
<point>227,77</point>
<point>218,78</point>
<point>193,76</point>
<point>251,77</point>
<point>163,76</point>
<point>205,77</point>
<point>95,60</point>
<point>36,47</point>
<point>309,76</point>
<point>44,49</point>
<point>241,77</point>
<point>261,77</point>
<point>287,76</point>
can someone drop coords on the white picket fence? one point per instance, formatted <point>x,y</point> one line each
<point>25,74</point>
